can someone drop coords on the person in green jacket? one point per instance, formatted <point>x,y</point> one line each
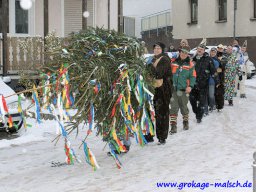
<point>184,77</point>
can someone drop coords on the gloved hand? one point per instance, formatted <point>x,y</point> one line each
<point>240,78</point>
<point>188,89</point>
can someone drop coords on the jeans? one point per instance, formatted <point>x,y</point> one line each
<point>211,96</point>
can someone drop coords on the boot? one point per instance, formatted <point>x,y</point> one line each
<point>230,102</point>
<point>149,138</point>
<point>173,129</point>
<point>173,124</point>
<point>161,142</point>
<point>185,122</point>
<point>185,125</point>
<point>198,120</point>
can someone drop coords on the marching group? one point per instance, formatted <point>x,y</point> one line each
<point>205,80</point>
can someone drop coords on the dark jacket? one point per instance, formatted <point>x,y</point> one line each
<point>163,71</point>
<point>223,62</point>
<point>204,67</point>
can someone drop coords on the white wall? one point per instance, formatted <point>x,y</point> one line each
<point>207,15</point>
<point>102,14</point>
<point>72,16</point>
<point>56,17</point>
<point>245,12</point>
<point>39,18</point>
<point>113,14</point>
<point>141,8</point>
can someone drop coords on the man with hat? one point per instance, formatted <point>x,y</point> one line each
<point>161,72</point>
<point>219,90</point>
<point>204,69</point>
<point>184,76</point>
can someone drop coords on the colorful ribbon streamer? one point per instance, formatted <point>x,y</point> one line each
<point>90,158</point>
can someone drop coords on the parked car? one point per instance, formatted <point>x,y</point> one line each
<point>12,103</point>
<point>250,69</point>
<point>148,57</point>
<point>192,52</point>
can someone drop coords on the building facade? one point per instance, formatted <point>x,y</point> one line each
<point>64,16</point>
<point>217,20</point>
<point>138,9</point>
<point>61,16</point>
<point>157,27</point>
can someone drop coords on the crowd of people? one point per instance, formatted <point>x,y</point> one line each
<point>206,80</point>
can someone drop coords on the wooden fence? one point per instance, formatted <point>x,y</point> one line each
<point>23,54</point>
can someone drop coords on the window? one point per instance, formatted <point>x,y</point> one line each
<point>254,9</point>
<point>222,10</point>
<point>194,11</point>
<point>21,18</point>
<point>1,19</point>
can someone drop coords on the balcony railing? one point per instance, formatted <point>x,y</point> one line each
<point>22,56</point>
<point>155,21</point>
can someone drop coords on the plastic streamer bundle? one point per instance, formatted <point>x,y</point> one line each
<point>90,158</point>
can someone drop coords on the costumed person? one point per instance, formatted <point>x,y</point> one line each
<point>204,69</point>
<point>171,48</point>
<point>240,80</point>
<point>184,77</point>
<point>145,50</point>
<point>219,89</point>
<point>244,70</point>
<point>183,42</point>
<point>232,69</point>
<point>162,75</point>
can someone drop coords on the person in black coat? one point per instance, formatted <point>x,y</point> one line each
<point>219,90</point>
<point>204,69</point>
<point>162,77</point>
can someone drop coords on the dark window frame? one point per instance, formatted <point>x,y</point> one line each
<point>1,16</point>
<point>254,8</point>
<point>193,11</point>
<point>21,16</point>
<point>222,10</point>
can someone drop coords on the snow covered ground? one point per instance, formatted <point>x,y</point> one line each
<point>219,149</point>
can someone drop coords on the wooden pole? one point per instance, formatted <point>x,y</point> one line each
<point>46,17</point>
<point>4,32</point>
<point>108,14</point>
<point>84,19</point>
<point>28,90</point>
<point>120,17</point>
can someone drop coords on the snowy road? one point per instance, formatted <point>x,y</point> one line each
<point>217,150</point>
